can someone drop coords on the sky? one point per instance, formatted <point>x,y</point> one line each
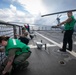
<point>30,11</point>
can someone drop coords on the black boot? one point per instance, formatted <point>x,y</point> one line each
<point>62,50</point>
<point>69,49</point>
<point>24,65</point>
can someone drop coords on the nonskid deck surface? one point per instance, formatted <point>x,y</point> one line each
<point>50,61</point>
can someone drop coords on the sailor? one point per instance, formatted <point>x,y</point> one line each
<point>16,52</point>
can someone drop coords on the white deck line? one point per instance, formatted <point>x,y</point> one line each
<point>34,46</point>
<point>59,45</point>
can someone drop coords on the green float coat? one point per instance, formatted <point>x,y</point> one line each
<point>70,25</point>
<point>14,44</point>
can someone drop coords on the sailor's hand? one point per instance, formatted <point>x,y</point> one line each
<point>16,35</point>
<point>54,26</point>
<point>58,25</point>
<point>3,72</point>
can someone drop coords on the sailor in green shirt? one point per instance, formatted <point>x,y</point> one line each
<point>24,37</point>
<point>16,52</point>
<point>69,28</point>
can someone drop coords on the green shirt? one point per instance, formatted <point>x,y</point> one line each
<point>70,25</point>
<point>16,44</point>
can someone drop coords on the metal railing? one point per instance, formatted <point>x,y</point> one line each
<point>8,30</point>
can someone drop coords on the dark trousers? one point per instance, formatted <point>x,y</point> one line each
<point>24,40</point>
<point>18,60</point>
<point>67,39</point>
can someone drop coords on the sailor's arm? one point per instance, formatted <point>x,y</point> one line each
<point>66,21</point>
<point>10,60</point>
<point>20,35</point>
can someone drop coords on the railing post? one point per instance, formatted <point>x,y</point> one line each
<point>20,30</point>
<point>14,30</point>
